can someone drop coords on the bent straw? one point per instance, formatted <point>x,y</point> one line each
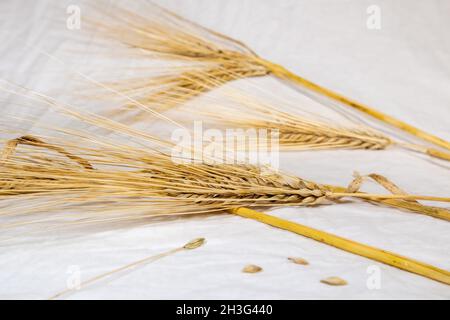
<point>193,244</point>
<point>354,247</point>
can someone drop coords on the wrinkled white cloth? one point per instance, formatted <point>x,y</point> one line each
<point>402,69</point>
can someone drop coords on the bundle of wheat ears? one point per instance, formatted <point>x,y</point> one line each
<point>208,60</point>
<point>111,180</point>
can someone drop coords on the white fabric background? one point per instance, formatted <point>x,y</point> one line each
<point>402,69</point>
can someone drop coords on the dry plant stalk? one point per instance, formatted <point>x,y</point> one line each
<point>162,34</point>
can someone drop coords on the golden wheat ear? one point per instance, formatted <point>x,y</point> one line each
<point>162,34</point>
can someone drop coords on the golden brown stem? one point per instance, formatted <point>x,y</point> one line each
<point>373,253</point>
<point>283,73</point>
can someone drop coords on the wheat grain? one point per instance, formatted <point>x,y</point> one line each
<point>251,268</point>
<point>334,281</point>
